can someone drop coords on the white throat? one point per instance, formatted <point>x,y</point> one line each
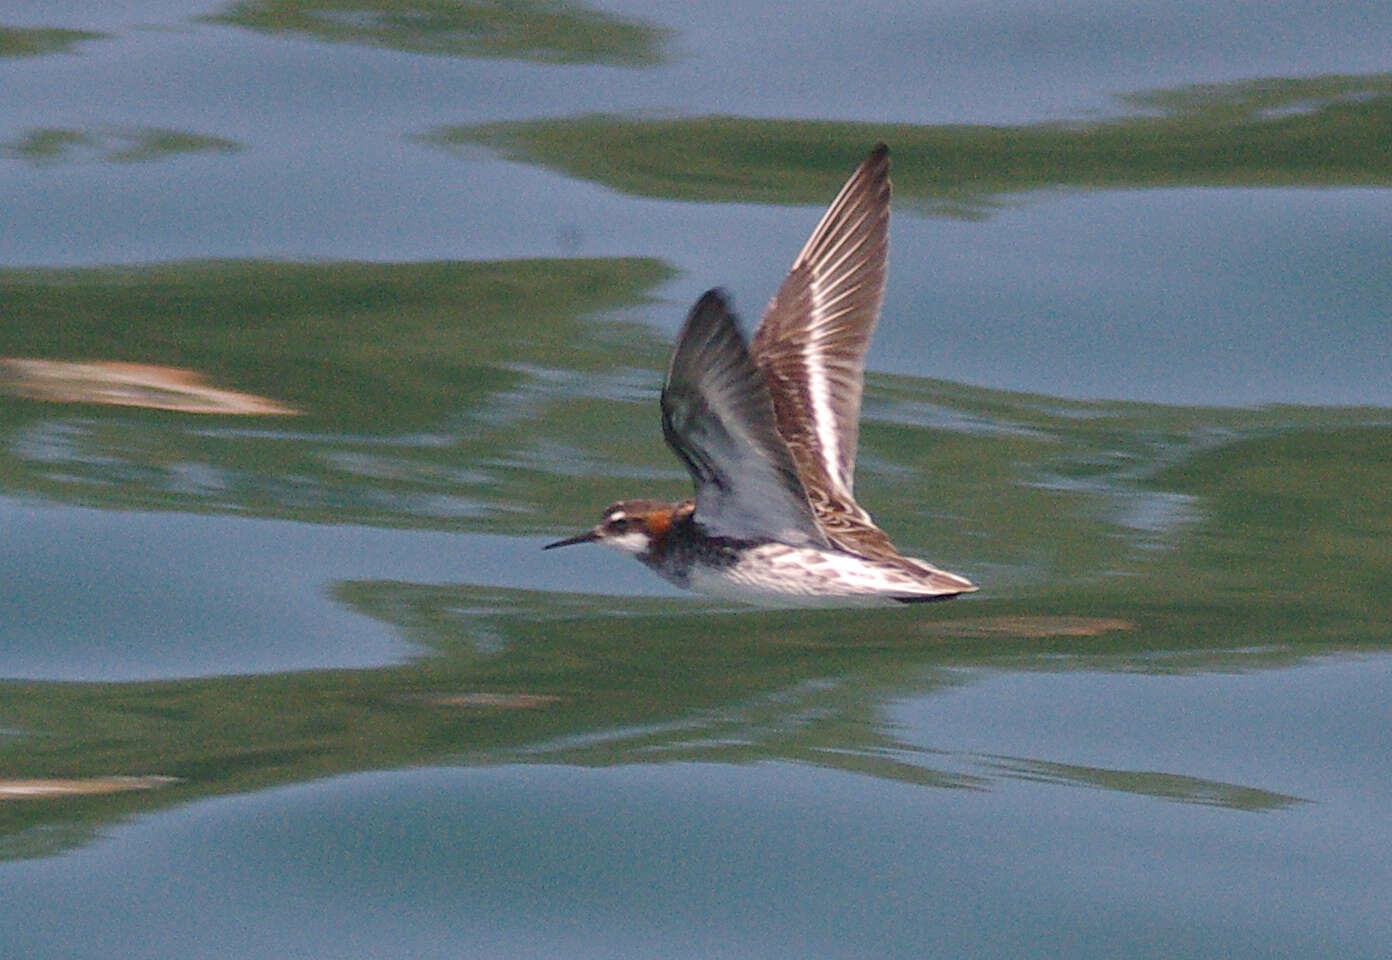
<point>634,542</point>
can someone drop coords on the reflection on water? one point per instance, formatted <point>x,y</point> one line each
<point>51,787</point>
<point>127,385</point>
<point>1167,786</point>
<point>36,41</point>
<point>1303,131</point>
<point>306,682</point>
<point>51,145</point>
<point>530,677</point>
<point>428,392</point>
<point>549,31</point>
<point>493,389</point>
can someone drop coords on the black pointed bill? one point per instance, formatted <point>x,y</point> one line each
<point>588,537</point>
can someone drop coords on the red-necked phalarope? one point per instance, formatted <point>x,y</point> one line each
<point>768,431</point>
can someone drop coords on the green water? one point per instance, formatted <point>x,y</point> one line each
<point>308,682</point>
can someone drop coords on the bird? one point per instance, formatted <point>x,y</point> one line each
<point>768,428</point>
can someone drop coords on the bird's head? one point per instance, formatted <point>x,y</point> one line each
<point>631,526</point>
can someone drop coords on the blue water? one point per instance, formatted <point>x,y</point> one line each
<point>1222,296</point>
<point>780,859</point>
<point>1205,776</point>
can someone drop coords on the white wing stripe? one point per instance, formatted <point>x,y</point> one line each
<point>819,391</point>
<point>815,332</point>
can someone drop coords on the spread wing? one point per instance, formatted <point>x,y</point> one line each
<point>811,346</point>
<point>718,418</point>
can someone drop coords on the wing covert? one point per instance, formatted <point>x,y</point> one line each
<point>718,418</point>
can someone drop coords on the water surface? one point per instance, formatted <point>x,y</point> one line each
<point>295,677</point>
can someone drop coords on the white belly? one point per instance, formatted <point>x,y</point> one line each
<point>778,575</point>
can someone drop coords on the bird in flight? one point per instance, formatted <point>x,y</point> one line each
<point>768,431</point>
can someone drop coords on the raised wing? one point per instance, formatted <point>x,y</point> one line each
<point>811,346</point>
<point>718,418</point>
<point>812,340</point>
